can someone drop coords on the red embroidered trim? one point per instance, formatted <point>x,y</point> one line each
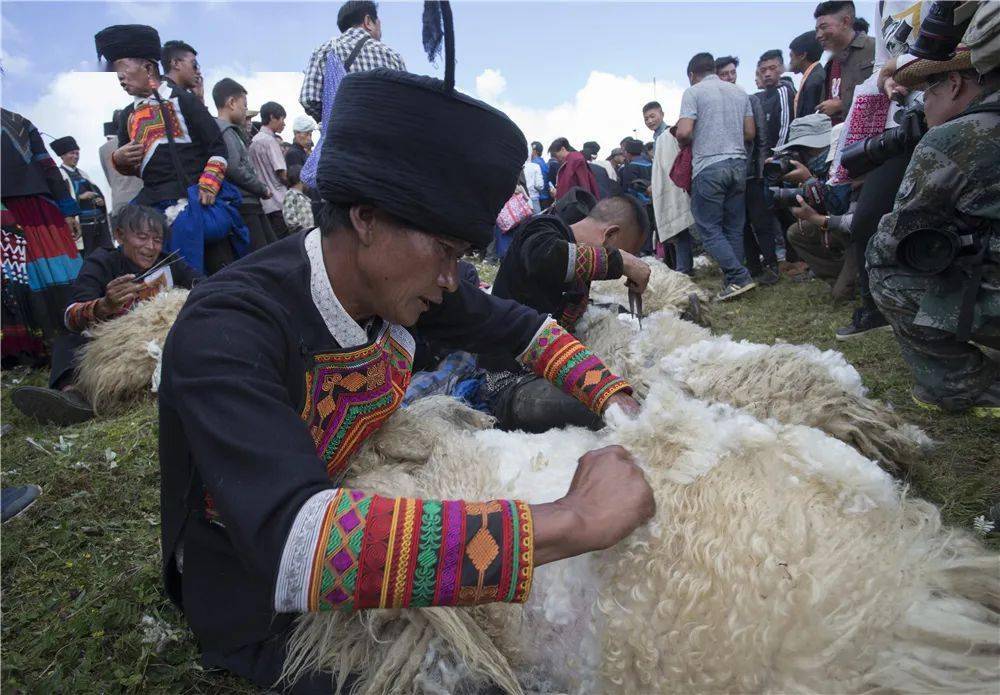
<point>561,359</point>
<point>213,175</point>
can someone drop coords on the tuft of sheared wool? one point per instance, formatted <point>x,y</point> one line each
<point>118,366</point>
<point>779,559</point>
<point>667,290</point>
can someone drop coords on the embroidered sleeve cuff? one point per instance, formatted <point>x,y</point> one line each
<point>81,315</point>
<point>213,175</point>
<point>351,550</point>
<point>561,359</point>
<point>587,263</point>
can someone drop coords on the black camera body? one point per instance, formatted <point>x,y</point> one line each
<point>812,191</point>
<point>775,168</point>
<point>865,156</point>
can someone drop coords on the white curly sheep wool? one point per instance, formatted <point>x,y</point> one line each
<point>779,560</point>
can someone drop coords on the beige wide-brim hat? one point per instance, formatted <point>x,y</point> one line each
<point>915,73</point>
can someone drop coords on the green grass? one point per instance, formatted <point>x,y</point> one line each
<point>81,568</point>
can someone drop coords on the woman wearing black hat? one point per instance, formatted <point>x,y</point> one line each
<point>93,208</point>
<point>280,366</point>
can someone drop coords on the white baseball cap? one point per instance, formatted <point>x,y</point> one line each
<point>303,124</point>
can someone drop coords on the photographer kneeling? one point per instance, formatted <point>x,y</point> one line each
<point>934,262</point>
<point>819,237</point>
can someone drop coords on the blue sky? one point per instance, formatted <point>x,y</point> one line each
<point>544,49</point>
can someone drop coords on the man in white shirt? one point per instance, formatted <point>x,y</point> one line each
<point>534,182</point>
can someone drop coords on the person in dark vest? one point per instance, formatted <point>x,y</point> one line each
<point>93,217</point>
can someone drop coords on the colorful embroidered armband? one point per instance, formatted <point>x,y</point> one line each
<point>213,175</point>
<point>351,550</point>
<point>561,359</point>
<point>81,315</point>
<point>587,263</point>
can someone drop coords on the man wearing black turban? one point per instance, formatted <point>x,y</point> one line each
<point>169,139</point>
<point>281,365</point>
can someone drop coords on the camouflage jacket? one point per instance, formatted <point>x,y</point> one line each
<point>953,169</point>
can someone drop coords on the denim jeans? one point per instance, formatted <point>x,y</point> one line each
<point>718,204</point>
<point>684,246</point>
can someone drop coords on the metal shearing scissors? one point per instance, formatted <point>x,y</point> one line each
<point>635,305</point>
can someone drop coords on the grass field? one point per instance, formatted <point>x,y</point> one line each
<point>82,607</point>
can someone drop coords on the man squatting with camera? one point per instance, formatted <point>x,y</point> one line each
<point>821,234</point>
<point>935,260</point>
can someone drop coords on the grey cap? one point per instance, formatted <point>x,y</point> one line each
<point>617,151</point>
<point>809,131</point>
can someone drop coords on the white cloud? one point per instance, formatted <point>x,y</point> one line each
<point>490,84</point>
<point>14,64</point>
<point>152,13</point>
<point>79,103</point>
<point>605,109</point>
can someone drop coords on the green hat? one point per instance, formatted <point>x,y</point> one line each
<point>809,131</point>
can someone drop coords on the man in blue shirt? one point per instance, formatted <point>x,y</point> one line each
<point>544,198</point>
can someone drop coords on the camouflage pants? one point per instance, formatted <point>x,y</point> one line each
<point>949,372</point>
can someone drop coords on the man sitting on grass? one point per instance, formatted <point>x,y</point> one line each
<point>105,289</point>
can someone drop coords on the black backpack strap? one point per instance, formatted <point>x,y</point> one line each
<point>354,53</point>
<point>172,144</point>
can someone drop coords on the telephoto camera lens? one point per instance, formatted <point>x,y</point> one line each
<point>928,251</point>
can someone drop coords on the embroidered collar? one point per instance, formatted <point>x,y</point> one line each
<point>342,327</point>
<point>164,90</point>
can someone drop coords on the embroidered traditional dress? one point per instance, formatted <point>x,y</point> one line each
<point>38,247</point>
<point>200,148</point>
<point>268,389</point>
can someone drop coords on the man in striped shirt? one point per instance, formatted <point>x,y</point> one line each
<point>358,22</point>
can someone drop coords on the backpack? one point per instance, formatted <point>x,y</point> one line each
<point>333,73</point>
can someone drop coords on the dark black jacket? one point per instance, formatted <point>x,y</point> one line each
<point>198,140</point>
<point>777,104</point>
<point>232,398</point>
<point>811,91</point>
<point>104,265</point>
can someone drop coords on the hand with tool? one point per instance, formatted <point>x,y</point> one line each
<point>118,295</point>
<point>636,279</point>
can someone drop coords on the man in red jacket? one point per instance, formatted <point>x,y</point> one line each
<point>573,169</point>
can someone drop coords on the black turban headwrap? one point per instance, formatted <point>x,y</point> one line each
<point>63,145</point>
<point>408,144</point>
<point>575,204</point>
<point>128,41</point>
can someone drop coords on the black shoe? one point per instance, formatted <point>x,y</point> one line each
<point>767,277</point>
<point>987,404</point>
<point>50,406</point>
<point>734,290</point>
<point>863,322</point>
<point>14,501</point>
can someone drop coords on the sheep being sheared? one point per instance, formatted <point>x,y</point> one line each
<point>122,359</point>
<point>796,384</point>
<point>779,559</point>
<point>667,290</point>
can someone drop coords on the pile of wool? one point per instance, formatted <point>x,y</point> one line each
<point>121,361</point>
<point>796,384</point>
<point>779,559</point>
